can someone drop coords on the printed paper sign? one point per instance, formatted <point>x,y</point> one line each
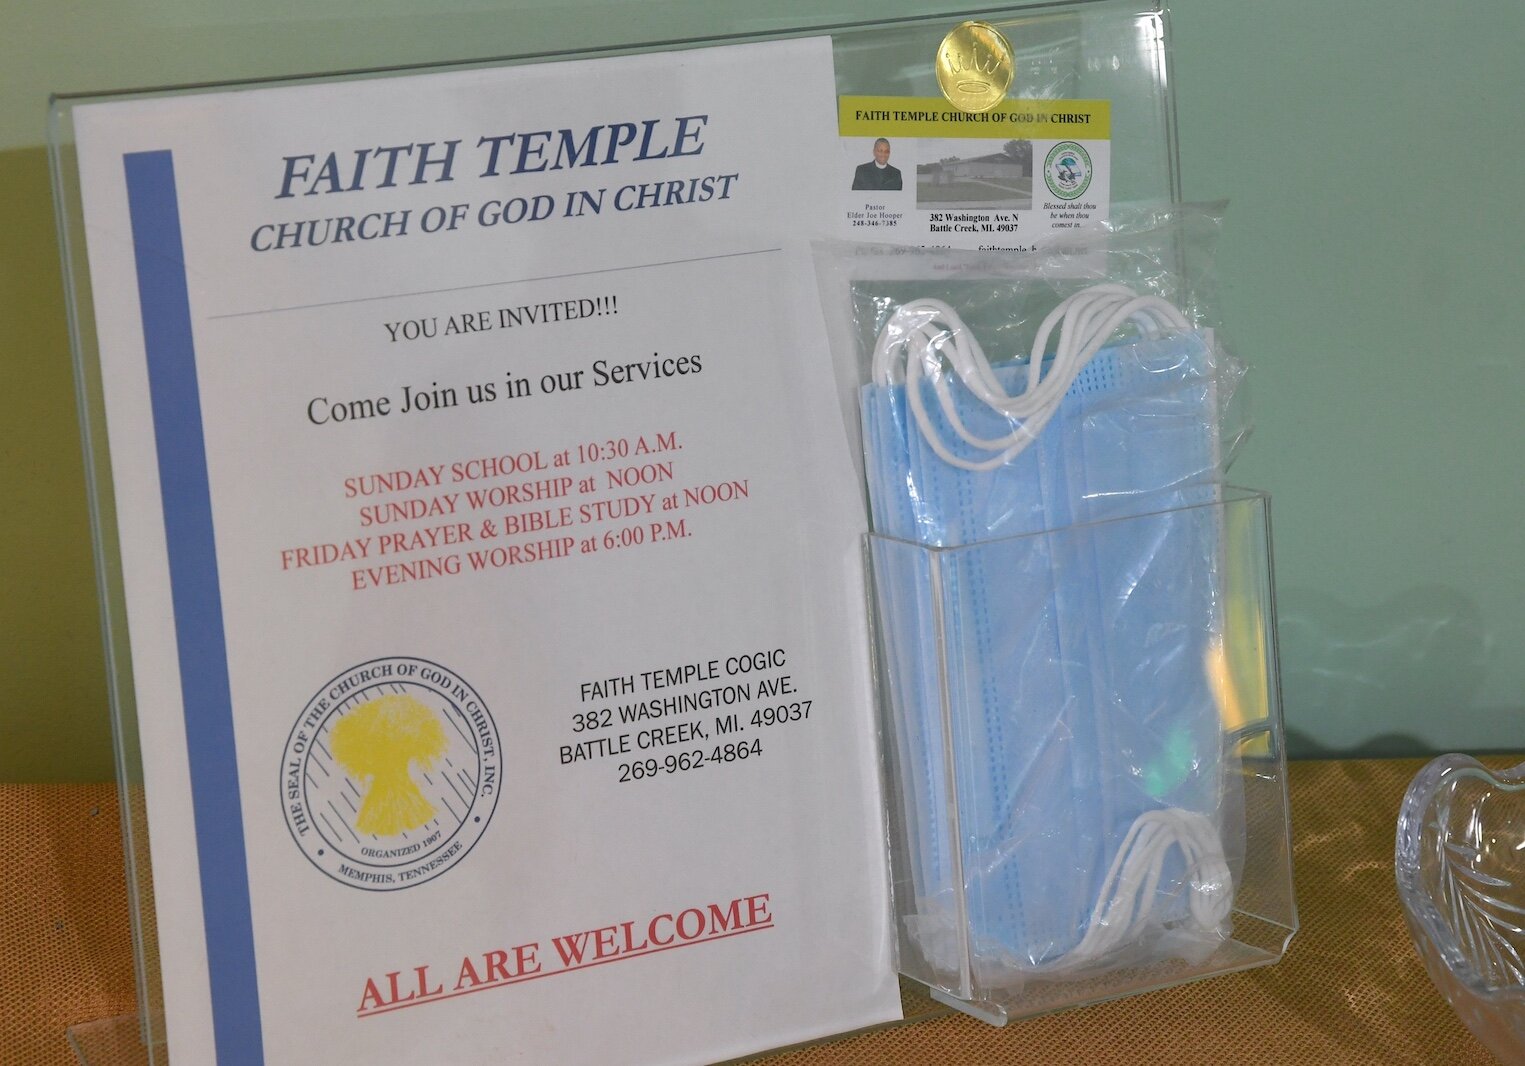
<point>491,554</point>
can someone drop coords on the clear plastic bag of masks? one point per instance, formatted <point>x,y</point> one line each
<point>1073,616</point>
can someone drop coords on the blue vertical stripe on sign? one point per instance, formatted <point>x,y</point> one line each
<point>176,398</point>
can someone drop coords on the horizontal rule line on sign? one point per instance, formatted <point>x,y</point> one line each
<point>484,986</point>
<point>493,284</point>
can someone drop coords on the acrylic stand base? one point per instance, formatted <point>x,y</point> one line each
<point>113,1042</point>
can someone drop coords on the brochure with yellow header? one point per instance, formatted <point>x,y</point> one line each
<point>1008,178</point>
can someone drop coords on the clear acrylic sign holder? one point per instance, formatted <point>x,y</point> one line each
<point>1110,50</point>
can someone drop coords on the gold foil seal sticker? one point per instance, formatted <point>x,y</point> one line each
<point>975,66</point>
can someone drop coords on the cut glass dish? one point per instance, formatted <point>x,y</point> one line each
<point>1460,865</point>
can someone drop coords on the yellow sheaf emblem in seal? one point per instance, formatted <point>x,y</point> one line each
<point>391,773</point>
<point>379,741</point>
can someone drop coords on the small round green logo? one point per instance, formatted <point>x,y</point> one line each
<point>1067,170</point>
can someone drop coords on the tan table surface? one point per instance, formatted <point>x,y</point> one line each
<point>1350,990</point>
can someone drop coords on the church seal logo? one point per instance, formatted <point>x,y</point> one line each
<point>391,774</point>
<point>1067,170</point>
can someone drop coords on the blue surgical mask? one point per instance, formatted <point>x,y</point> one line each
<point>1082,727</point>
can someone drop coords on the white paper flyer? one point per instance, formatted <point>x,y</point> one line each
<point>491,555</point>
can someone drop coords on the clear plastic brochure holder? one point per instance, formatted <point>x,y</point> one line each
<point>1019,756</point>
<point>1098,50</point>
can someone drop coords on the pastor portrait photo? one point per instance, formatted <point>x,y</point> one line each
<point>877,175</point>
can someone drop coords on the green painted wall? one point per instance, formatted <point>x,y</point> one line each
<point>1372,158</point>
<point>53,720</point>
<point>1370,267</point>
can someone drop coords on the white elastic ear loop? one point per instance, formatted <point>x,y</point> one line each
<point>1089,319</point>
<point>914,328</point>
<point>1129,894</point>
<point>1086,320</point>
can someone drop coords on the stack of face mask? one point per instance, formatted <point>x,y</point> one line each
<point>1055,654</point>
